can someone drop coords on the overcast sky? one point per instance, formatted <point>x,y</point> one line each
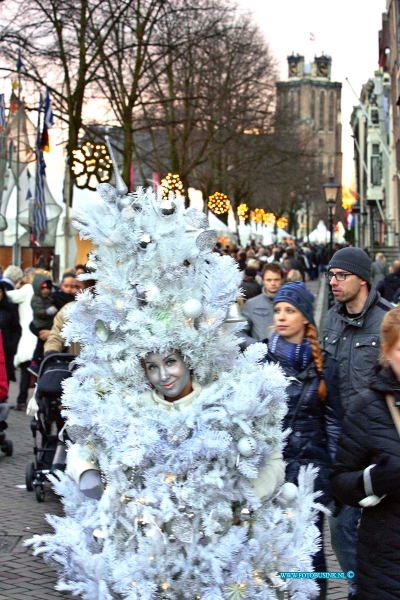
<point>346,30</point>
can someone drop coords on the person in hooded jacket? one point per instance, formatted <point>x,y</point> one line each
<point>11,331</point>
<point>314,407</point>
<point>367,470</point>
<point>43,315</point>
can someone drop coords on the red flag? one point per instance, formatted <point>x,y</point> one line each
<point>132,177</point>
<point>14,103</point>
<point>156,182</point>
<point>312,37</point>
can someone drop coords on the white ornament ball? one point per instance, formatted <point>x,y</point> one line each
<point>152,292</point>
<point>192,308</point>
<point>289,492</point>
<point>247,446</point>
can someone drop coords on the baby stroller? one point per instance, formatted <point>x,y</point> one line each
<point>50,456</point>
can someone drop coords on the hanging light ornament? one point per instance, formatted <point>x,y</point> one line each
<point>219,203</point>
<point>172,183</point>
<point>257,215</point>
<point>269,219</point>
<point>282,222</point>
<point>243,212</point>
<point>91,165</point>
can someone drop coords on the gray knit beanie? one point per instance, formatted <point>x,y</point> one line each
<point>354,260</point>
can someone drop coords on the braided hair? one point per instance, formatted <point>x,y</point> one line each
<point>312,335</point>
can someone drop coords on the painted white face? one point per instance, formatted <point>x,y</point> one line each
<point>168,374</point>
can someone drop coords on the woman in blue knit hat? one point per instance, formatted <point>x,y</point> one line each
<point>314,408</point>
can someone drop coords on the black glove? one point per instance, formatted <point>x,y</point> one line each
<point>385,475</point>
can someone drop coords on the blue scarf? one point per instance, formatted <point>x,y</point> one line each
<point>296,356</point>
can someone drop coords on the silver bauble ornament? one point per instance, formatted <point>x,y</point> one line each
<point>288,492</point>
<point>91,266</point>
<point>247,446</point>
<point>167,208</point>
<point>192,308</point>
<point>102,330</point>
<point>177,434</point>
<point>145,240</point>
<point>245,514</point>
<point>107,192</point>
<point>196,219</point>
<point>124,202</point>
<point>98,534</point>
<point>206,241</point>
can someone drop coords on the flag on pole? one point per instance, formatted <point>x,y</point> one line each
<point>20,64</point>
<point>312,37</point>
<point>39,209</point>
<point>14,103</point>
<point>48,121</point>
<point>156,182</point>
<point>2,114</point>
<point>132,177</point>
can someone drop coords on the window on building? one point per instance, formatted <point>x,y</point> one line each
<point>298,100</point>
<point>312,105</point>
<point>322,110</point>
<point>321,145</point>
<point>376,173</point>
<point>374,116</point>
<point>331,118</point>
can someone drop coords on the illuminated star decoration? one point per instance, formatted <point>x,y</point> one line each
<point>219,203</point>
<point>172,183</point>
<point>91,165</point>
<point>282,222</point>
<point>243,212</point>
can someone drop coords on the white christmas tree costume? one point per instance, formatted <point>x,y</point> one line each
<point>180,517</point>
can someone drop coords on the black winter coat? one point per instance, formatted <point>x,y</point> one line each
<point>369,433</point>
<point>11,331</point>
<point>317,425</point>
<point>389,286</point>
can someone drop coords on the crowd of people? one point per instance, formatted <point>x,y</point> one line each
<point>347,382</point>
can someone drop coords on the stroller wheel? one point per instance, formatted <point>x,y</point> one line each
<point>40,493</point>
<point>8,447</point>
<point>30,476</point>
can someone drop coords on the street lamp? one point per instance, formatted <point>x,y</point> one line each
<point>371,205</point>
<point>331,191</point>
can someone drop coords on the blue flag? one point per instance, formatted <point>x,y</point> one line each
<point>39,210</point>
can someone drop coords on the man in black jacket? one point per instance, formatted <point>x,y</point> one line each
<point>390,285</point>
<point>351,334</point>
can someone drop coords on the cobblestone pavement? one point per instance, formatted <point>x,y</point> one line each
<point>22,575</point>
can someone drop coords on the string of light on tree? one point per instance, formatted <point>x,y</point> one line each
<point>282,222</point>
<point>257,215</point>
<point>243,212</point>
<point>172,183</point>
<point>269,218</point>
<point>219,203</point>
<point>91,165</point>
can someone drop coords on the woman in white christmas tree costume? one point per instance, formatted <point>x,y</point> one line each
<point>186,512</point>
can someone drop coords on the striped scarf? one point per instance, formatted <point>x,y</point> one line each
<point>296,356</point>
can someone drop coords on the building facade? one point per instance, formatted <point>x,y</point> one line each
<point>314,102</point>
